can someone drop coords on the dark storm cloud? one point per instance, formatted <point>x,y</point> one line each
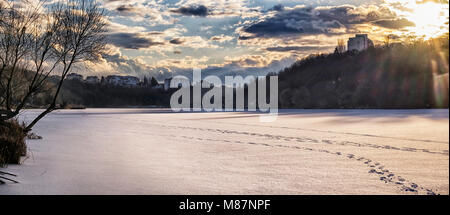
<point>154,33</point>
<point>321,20</point>
<point>297,48</point>
<point>176,41</point>
<point>127,10</point>
<point>394,23</point>
<point>246,38</point>
<point>124,8</point>
<point>193,10</point>
<point>278,7</point>
<point>131,41</point>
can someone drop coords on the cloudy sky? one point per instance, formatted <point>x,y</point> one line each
<point>163,38</point>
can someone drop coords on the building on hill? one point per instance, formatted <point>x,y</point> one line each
<point>92,80</point>
<point>74,76</point>
<point>359,43</point>
<point>124,81</point>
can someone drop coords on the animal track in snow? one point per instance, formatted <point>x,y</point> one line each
<point>399,181</point>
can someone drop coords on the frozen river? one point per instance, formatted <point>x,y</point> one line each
<point>145,151</point>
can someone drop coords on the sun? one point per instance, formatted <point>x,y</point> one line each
<point>430,19</point>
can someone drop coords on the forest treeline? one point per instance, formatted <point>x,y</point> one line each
<point>78,94</point>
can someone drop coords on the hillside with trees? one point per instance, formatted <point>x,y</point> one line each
<point>413,75</point>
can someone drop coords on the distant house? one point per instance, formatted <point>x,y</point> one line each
<point>92,80</point>
<point>74,76</point>
<point>124,81</point>
<point>359,43</point>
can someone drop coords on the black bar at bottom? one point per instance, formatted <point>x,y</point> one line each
<point>223,204</point>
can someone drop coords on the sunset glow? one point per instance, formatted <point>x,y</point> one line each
<point>430,19</point>
<point>165,38</point>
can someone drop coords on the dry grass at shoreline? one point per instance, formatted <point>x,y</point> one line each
<point>12,142</point>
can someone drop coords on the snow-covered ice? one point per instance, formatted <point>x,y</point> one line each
<point>149,151</point>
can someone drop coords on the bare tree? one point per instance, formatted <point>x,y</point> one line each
<point>14,46</point>
<point>80,36</point>
<point>341,47</point>
<point>389,39</point>
<point>43,41</point>
<point>27,40</point>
